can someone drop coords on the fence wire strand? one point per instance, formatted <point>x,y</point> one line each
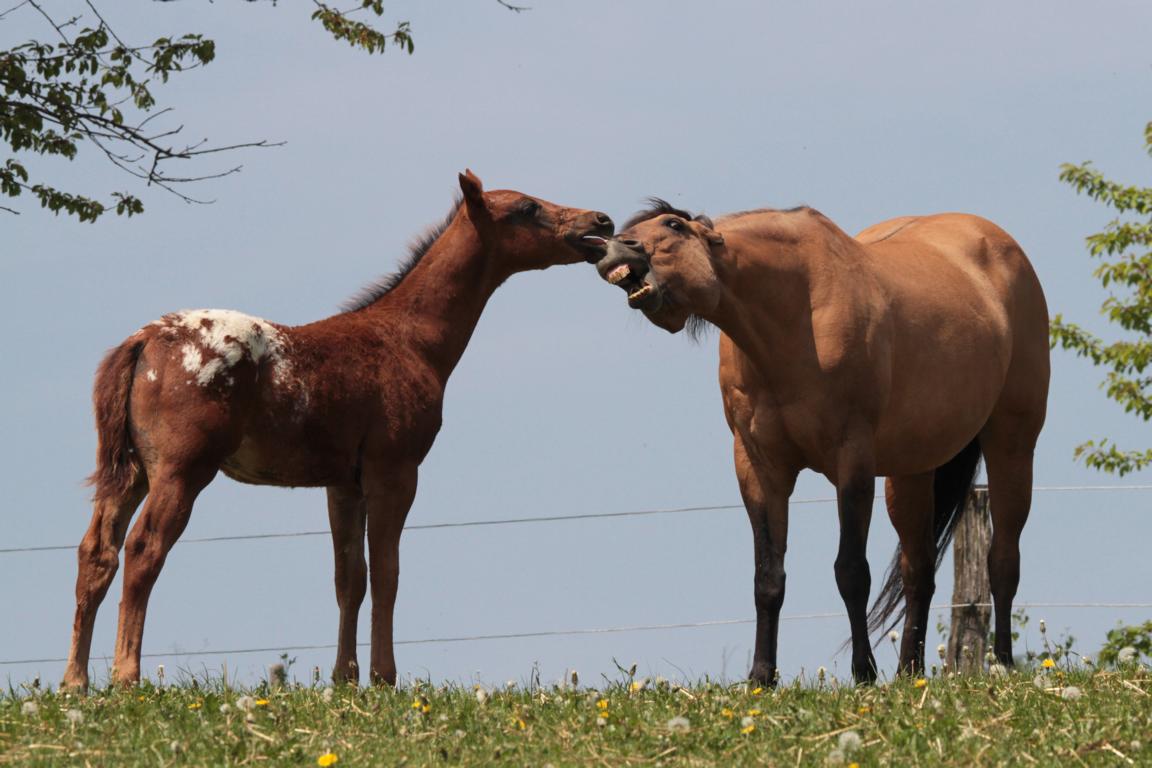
<point>558,632</point>
<point>550,519</point>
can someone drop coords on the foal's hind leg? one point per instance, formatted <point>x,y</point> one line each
<point>166,512</point>
<point>346,519</point>
<point>98,560</point>
<point>910,507</point>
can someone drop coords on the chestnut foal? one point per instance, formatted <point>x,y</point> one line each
<point>352,403</point>
<point>905,352</point>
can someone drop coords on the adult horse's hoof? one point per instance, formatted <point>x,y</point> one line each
<point>765,675</point>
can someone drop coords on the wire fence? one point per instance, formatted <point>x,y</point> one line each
<point>566,632</point>
<point>550,519</point>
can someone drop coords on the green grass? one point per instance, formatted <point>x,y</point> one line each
<point>953,721</point>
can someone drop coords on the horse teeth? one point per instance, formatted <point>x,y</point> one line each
<point>640,292</point>
<point>618,274</point>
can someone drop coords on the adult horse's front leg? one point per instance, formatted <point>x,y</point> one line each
<point>855,490</point>
<point>765,497</point>
<point>388,496</point>
<point>346,519</point>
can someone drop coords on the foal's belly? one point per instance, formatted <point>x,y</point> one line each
<point>290,457</point>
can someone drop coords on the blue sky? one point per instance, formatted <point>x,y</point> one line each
<point>864,112</point>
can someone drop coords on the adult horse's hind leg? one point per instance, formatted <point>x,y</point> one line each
<point>98,559</point>
<point>346,519</point>
<point>910,507</point>
<point>765,497</point>
<point>166,512</point>
<point>1008,451</point>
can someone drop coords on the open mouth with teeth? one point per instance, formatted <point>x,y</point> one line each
<point>595,245</point>
<point>641,293</point>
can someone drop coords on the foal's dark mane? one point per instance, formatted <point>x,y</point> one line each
<point>371,293</point>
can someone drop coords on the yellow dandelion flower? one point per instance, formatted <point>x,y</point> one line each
<point>521,724</point>
<point>757,691</point>
<point>1047,663</point>
<point>853,765</point>
<point>864,710</point>
<point>748,728</point>
<point>141,697</point>
<point>602,704</point>
<point>261,702</point>
<point>636,685</point>
<point>753,712</point>
<point>603,714</point>
<point>327,759</point>
<point>727,712</point>
<point>920,683</point>
<point>195,705</point>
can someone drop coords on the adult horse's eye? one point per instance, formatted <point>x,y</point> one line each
<point>675,224</point>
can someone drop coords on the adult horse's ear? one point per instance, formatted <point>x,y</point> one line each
<point>473,190</point>
<point>714,237</point>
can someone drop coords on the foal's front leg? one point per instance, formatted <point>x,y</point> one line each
<point>855,490</point>
<point>388,496</point>
<point>346,519</point>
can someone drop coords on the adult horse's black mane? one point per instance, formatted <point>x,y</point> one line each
<point>371,293</point>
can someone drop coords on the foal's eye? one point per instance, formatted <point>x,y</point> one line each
<point>529,208</point>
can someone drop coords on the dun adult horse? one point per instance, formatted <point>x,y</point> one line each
<point>905,353</point>
<point>351,403</point>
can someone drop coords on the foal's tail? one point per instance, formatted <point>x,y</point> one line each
<point>117,465</point>
<point>950,487</point>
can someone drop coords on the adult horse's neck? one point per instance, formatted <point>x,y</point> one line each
<point>435,307</point>
<point>783,282</point>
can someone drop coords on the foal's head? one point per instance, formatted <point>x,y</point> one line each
<point>531,233</point>
<point>664,261</point>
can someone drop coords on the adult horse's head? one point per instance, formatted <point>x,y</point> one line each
<point>664,260</point>
<point>532,233</point>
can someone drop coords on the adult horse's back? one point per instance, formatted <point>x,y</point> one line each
<point>905,352</point>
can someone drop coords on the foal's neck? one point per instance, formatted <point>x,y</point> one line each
<point>436,306</point>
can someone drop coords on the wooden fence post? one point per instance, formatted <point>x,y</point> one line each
<point>972,592</point>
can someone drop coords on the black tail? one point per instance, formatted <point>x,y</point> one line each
<point>950,487</point>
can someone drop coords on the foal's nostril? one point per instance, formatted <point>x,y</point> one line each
<point>604,220</point>
<point>629,243</point>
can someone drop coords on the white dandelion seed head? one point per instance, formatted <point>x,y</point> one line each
<point>835,757</point>
<point>1071,693</point>
<point>1043,627</point>
<point>327,694</point>
<point>225,708</point>
<point>746,721</point>
<point>941,651</point>
<point>30,708</point>
<point>894,636</point>
<point>481,695</point>
<point>849,741</point>
<point>75,716</point>
<point>997,670</point>
<point>1087,660</point>
<point>679,725</point>
<point>1040,682</point>
<point>820,673</point>
<point>175,747</point>
<point>510,685</point>
<point>1127,655</point>
<point>246,703</point>
<point>601,722</point>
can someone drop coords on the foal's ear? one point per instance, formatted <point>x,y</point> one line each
<point>472,188</point>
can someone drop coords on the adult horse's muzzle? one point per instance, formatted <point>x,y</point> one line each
<point>626,265</point>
